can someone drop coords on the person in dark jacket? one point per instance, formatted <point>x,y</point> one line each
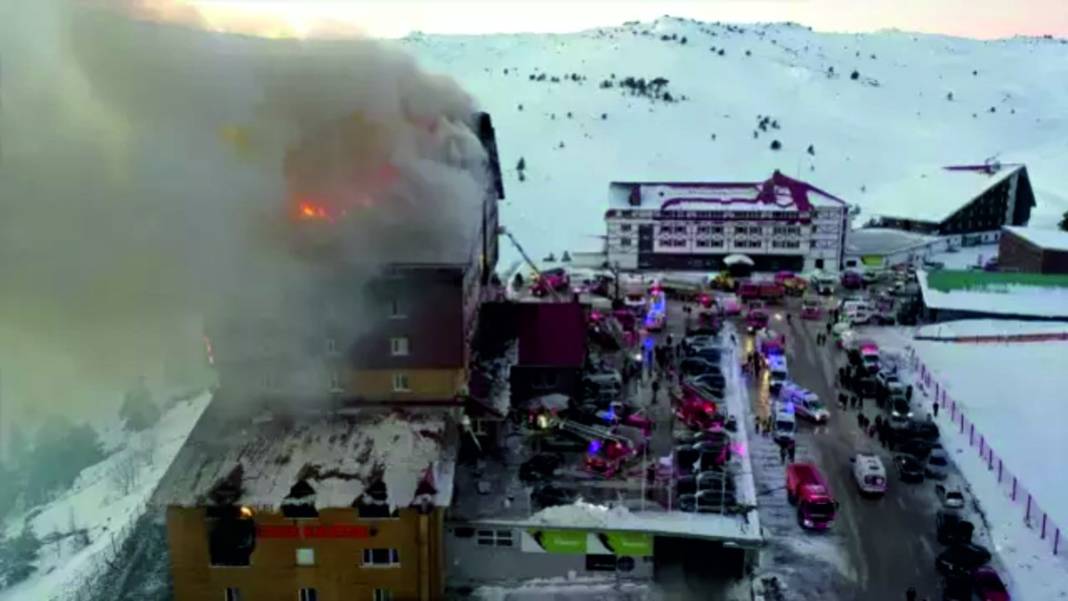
<point>936,408</point>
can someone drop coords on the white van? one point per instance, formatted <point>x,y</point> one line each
<point>869,474</point>
<point>777,372</point>
<point>785,424</point>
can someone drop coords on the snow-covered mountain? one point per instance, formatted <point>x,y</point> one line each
<point>916,102</point>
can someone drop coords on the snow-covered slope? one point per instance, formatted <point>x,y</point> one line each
<point>104,502</point>
<point>893,120</point>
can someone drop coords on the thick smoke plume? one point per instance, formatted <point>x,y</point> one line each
<point>154,176</point>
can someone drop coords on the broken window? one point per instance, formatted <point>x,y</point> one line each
<point>400,382</point>
<point>308,594</point>
<point>231,541</point>
<point>232,594</point>
<point>374,502</point>
<point>300,502</point>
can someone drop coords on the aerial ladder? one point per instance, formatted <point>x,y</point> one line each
<point>527,258</point>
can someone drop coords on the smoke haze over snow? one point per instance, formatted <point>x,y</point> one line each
<point>154,176</point>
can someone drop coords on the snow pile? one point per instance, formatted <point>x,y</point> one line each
<point>104,502</point>
<point>338,455</point>
<point>560,102</point>
<point>582,515</point>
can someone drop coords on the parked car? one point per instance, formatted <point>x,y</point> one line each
<point>962,559</point>
<point>708,353</point>
<point>937,466</point>
<point>709,386</point>
<point>901,408</point>
<point>987,585</point>
<point>693,366</point>
<point>909,469</point>
<point>852,280</point>
<point>924,430</point>
<point>916,448</point>
<point>949,496</point>
<point>811,309</point>
<point>951,528</point>
<point>869,474</point>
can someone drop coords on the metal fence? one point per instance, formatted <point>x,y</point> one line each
<point>1035,518</point>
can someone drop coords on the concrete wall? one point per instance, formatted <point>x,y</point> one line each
<point>423,384</point>
<point>337,574</point>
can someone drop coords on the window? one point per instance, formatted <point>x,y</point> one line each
<point>335,381</point>
<point>703,244</point>
<point>478,427</point>
<point>306,557</point>
<point>741,230</point>
<point>308,594</point>
<point>717,241</point>
<point>398,347</point>
<point>495,538</point>
<point>624,241</point>
<point>756,230</point>
<point>626,227</point>
<point>704,230</point>
<point>382,594</point>
<point>331,346</point>
<point>395,309</point>
<point>400,382</point>
<point>381,558</point>
<point>232,594</point>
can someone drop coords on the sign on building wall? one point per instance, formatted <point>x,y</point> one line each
<point>311,531</point>
<point>577,542</point>
<point>872,260</point>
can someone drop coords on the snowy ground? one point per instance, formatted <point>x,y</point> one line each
<point>867,134</point>
<point>1008,392</point>
<point>106,499</point>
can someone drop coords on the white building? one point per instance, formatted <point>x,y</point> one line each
<point>781,223</point>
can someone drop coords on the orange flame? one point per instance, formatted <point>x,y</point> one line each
<point>310,210</point>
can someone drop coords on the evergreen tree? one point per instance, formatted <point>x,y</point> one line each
<point>18,557</point>
<point>1063,225</point>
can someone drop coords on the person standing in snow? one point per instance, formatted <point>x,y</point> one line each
<point>656,389</point>
<point>782,453</point>
<point>791,449</point>
<point>936,408</point>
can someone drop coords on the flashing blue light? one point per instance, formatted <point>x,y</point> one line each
<point>594,448</point>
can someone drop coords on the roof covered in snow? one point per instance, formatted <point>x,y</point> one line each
<point>337,455</point>
<point>936,193</point>
<point>1048,239</point>
<point>1011,294</point>
<point>883,241</point>
<point>777,193</point>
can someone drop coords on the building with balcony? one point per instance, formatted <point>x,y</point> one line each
<point>780,223</point>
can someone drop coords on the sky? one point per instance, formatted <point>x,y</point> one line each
<point>983,19</point>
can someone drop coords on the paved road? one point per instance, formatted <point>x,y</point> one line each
<point>889,541</point>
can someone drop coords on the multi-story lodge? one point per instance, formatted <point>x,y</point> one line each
<point>780,223</point>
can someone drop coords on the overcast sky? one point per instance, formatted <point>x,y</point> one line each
<point>387,18</point>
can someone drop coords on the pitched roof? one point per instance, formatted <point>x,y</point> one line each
<point>337,455</point>
<point>1048,239</point>
<point>552,335</point>
<point>778,192</point>
<point>934,194</point>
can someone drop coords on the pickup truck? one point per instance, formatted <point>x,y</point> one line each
<point>806,488</point>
